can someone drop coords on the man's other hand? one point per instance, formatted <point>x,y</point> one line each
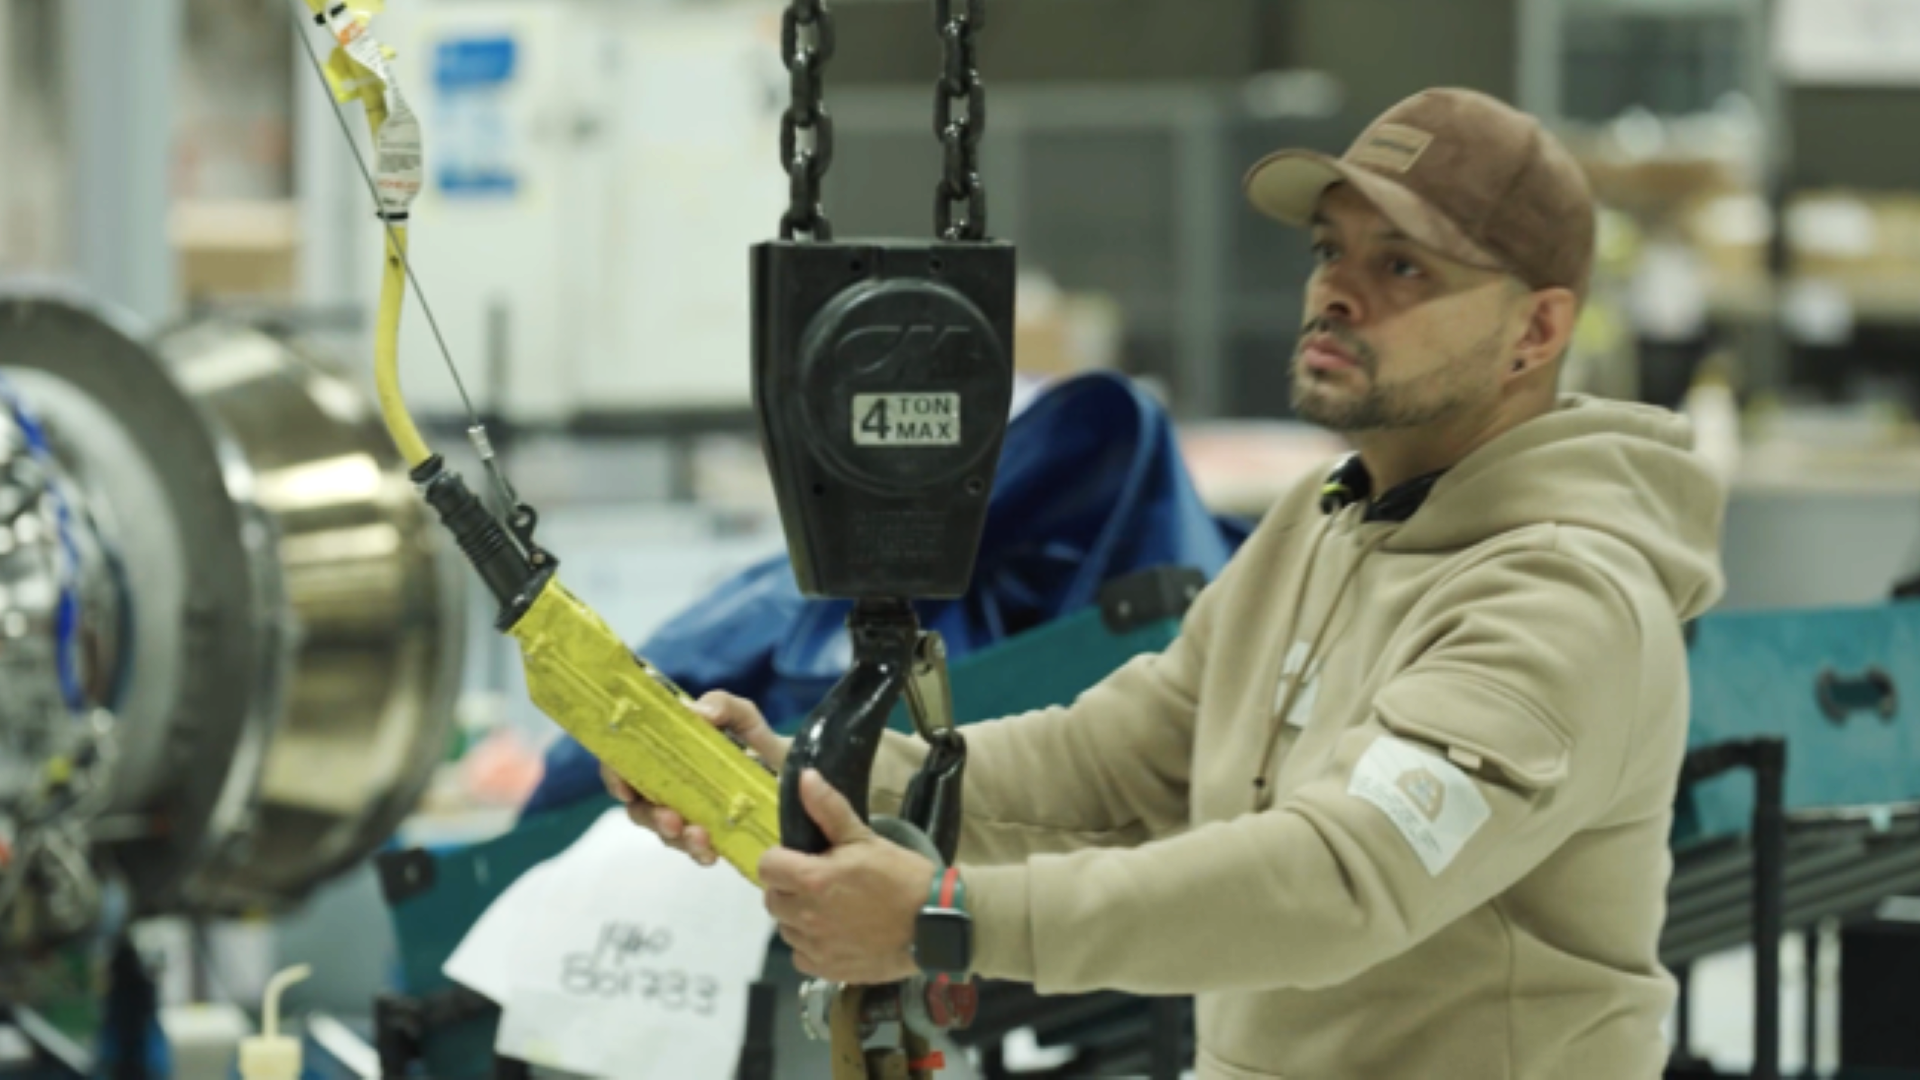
<point>737,717</point>
<point>848,914</point>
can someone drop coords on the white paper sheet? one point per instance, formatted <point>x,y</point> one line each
<point>621,957</point>
<point>485,961</point>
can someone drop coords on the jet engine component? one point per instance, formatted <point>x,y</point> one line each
<point>230,635</point>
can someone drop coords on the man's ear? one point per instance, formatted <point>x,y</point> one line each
<point>1548,329</point>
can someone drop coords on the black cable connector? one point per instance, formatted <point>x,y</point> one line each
<point>482,539</point>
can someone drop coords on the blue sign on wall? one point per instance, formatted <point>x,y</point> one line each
<point>474,150</point>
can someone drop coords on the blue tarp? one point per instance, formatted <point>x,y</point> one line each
<point>1091,486</point>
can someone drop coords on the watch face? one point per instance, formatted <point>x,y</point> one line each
<point>943,941</point>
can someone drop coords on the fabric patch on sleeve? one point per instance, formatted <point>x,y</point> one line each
<point>1435,806</point>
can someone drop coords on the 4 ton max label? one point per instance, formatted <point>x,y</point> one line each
<point>906,419</point>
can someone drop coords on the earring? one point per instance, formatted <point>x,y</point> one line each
<point>1520,364</point>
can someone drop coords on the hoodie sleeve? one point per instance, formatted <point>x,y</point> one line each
<point>1501,738</point>
<point>1109,770</point>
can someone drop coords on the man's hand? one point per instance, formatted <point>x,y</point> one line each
<point>849,914</point>
<point>737,717</point>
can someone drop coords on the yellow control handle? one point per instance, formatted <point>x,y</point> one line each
<point>629,716</point>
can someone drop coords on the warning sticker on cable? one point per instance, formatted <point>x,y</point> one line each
<point>906,420</point>
<point>398,169</point>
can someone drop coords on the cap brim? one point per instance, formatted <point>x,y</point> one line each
<point>1287,186</point>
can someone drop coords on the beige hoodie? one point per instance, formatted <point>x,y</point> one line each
<point>1395,803</point>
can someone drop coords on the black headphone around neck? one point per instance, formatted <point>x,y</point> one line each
<point>1348,483</point>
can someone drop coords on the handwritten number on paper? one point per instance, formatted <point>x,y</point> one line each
<point>577,976</point>
<point>610,971</point>
<point>628,941</point>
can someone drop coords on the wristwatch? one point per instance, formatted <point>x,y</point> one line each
<point>943,933</point>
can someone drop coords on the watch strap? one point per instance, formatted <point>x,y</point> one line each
<point>948,891</point>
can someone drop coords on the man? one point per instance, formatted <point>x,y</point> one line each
<point>1395,804</point>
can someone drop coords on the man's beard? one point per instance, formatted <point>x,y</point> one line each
<point>1321,399</point>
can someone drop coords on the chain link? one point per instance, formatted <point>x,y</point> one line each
<point>960,182</point>
<point>806,131</point>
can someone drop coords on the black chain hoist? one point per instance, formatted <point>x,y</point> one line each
<point>883,376</point>
<point>882,381</point>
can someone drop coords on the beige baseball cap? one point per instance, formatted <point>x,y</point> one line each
<point>1462,173</point>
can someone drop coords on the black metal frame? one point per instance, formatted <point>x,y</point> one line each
<point>1838,864</point>
<point>1766,758</point>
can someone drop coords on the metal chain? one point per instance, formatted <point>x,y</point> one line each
<point>960,135</point>
<point>806,44</point>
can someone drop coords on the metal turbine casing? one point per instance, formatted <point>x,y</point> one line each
<point>297,621</point>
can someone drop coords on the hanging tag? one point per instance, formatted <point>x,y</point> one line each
<point>397,147</point>
<point>358,42</point>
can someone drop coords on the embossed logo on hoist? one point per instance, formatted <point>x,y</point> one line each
<point>904,350</point>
